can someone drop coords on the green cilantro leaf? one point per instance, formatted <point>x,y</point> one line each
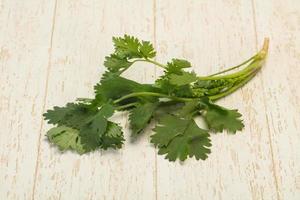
<point>115,87</point>
<point>66,139</point>
<point>174,99</point>
<point>180,63</point>
<point>179,138</point>
<point>147,49</point>
<point>166,87</point>
<point>114,63</point>
<point>176,66</point>
<point>92,131</point>
<point>140,116</point>
<point>127,47</point>
<point>189,109</point>
<point>183,79</point>
<point>58,114</point>
<point>113,137</point>
<point>72,115</point>
<point>169,127</point>
<point>175,81</point>
<point>196,144</point>
<point>130,47</point>
<point>219,118</point>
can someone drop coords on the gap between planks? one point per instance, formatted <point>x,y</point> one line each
<point>46,95</point>
<point>155,47</point>
<point>265,105</point>
<point>44,100</point>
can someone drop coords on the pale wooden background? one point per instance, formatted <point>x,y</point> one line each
<point>51,51</point>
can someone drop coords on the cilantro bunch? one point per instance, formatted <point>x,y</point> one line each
<point>174,100</point>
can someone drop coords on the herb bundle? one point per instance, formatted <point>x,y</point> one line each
<point>174,100</point>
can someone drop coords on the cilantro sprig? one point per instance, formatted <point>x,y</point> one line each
<point>173,100</point>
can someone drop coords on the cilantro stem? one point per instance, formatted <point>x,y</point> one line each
<point>150,61</point>
<point>234,88</point>
<point>244,79</point>
<point>135,94</point>
<point>156,63</point>
<point>232,68</point>
<point>255,62</point>
<point>253,65</point>
<point>126,106</point>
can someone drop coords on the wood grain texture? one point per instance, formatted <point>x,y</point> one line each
<point>222,35</point>
<point>25,34</point>
<point>280,20</point>
<point>82,36</point>
<point>51,52</point>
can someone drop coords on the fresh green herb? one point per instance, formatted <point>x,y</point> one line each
<point>174,100</point>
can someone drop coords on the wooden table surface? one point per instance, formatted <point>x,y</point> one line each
<point>52,51</point>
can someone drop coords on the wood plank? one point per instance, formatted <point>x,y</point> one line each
<point>82,37</point>
<point>25,34</point>
<point>261,162</point>
<point>280,20</point>
<point>214,35</point>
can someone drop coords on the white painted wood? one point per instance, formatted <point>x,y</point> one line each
<point>25,33</point>
<point>82,37</point>
<point>280,20</point>
<point>214,35</point>
<point>51,52</point>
